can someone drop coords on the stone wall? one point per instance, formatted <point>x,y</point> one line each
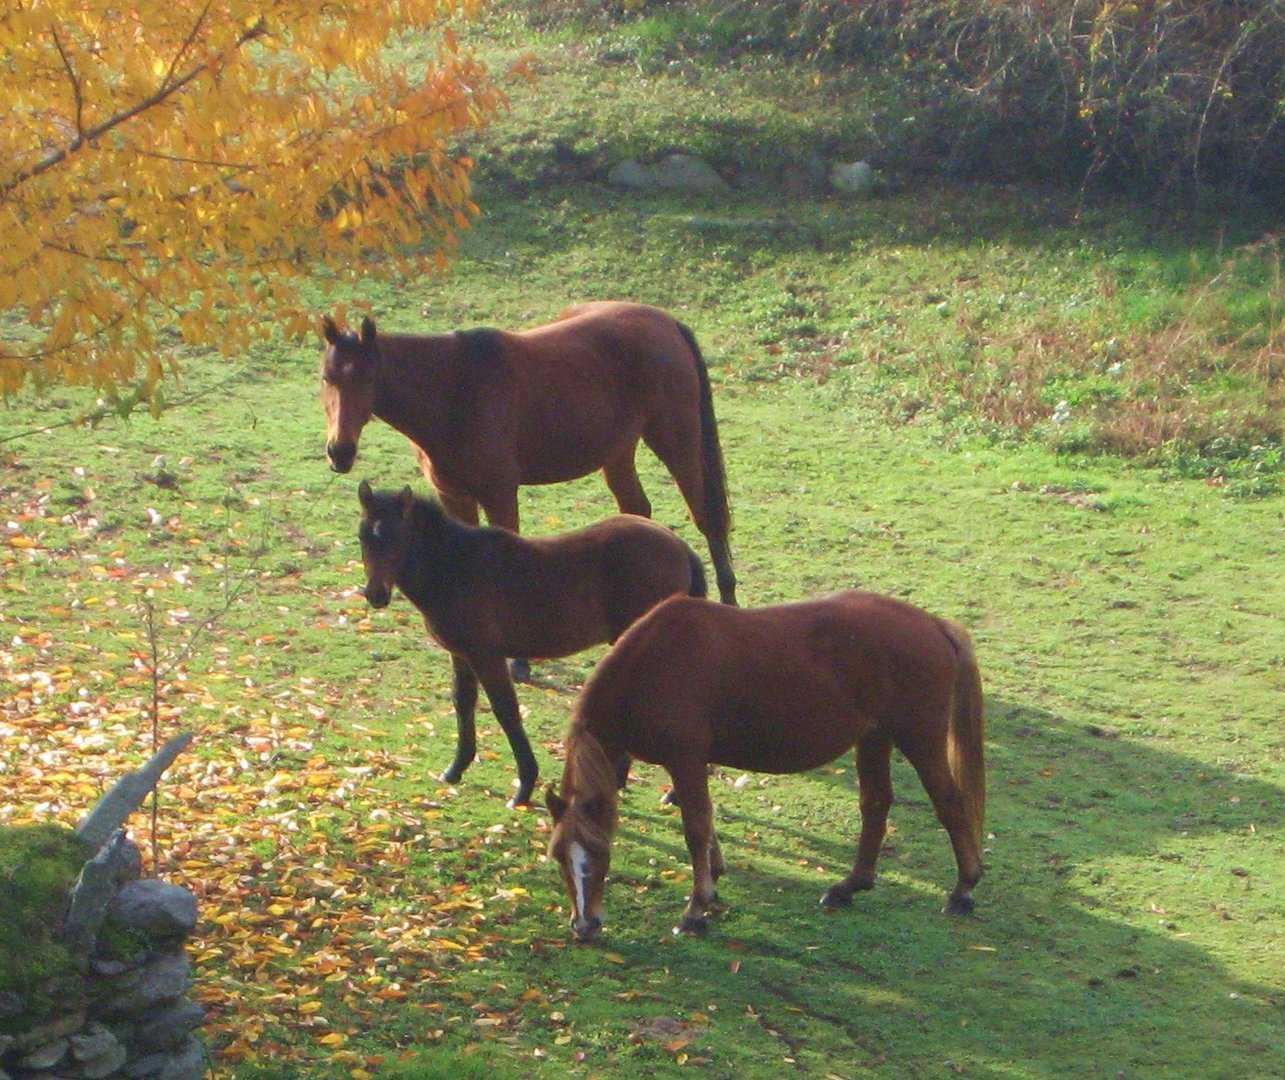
<point>125,1011</point>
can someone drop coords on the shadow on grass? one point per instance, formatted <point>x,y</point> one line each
<point>934,216</point>
<point>1064,970</point>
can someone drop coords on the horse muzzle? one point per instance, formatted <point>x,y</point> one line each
<point>378,596</point>
<point>586,930</point>
<point>341,455</point>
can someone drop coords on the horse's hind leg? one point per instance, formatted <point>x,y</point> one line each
<point>464,693</point>
<point>934,773</point>
<point>494,674</point>
<point>720,554</point>
<point>679,449</point>
<point>874,775</point>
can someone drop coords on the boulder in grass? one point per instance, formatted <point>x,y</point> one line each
<point>852,178</point>
<point>675,172</point>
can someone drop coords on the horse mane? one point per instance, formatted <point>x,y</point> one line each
<point>433,510</point>
<point>431,525</point>
<point>590,783</point>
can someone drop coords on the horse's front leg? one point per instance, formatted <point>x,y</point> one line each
<point>464,695</point>
<point>494,674</point>
<point>692,788</point>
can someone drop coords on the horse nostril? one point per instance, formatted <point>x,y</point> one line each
<point>586,929</point>
<point>341,456</point>
<point>378,596</point>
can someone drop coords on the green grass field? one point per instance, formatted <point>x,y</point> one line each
<point>359,918</point>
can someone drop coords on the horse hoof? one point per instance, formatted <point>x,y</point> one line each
<point>836,896</point>
<point>958,905</point>
<point>453,775</point>
<point>692,924</point>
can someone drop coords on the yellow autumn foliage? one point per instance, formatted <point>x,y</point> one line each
<point>174,167</point>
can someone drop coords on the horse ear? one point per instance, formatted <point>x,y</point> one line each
<point>407,498</point>
<point>329,330</point>
<point>556,803</point>
<point>364,495</point>
<point>368,331</point>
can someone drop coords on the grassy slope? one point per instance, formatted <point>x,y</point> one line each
<point>1127,624</point>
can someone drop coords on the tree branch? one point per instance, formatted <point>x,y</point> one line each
<point>76,92</point>
<point>168,88</point>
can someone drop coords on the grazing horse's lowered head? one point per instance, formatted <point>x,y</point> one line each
<point>780,689</point>
<point>349,371</point>
<point>584,820</point>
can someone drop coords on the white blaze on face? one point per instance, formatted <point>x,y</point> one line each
<point>580,871</point>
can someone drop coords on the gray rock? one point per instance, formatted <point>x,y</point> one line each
<point>50,1031</point>
<point>129,792</point>
<point>46,1056</point>
<point>164,979</point>
<point>144,1067</point>
<point>164,912</point>
<point>187,1063</point>
<point>166,1029</point>
<point>676,172</point>
<point>92,895</point>
<point>852,177</point>
<point>630,174</point>
<point>93,1042</point>
<point>108,1063</point>
<point>114,985</point>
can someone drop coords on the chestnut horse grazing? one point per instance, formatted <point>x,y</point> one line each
<point>776,689</point>
<point>490,410</point>
<point>487,594</point>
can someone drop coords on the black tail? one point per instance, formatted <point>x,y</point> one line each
<point>718,512</point>
<point>698,587</point>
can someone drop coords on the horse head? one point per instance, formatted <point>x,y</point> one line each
<point>384,529</point>
<point>349,371</point>
<point>581,846</point>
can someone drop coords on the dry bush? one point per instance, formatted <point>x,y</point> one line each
<point>1154,92</point>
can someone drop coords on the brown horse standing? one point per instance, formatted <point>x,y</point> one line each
<point>491,410</point>
<point>778,689</point>
<point>488,594</point>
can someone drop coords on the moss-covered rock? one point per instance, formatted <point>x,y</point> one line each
<point>38,866</point>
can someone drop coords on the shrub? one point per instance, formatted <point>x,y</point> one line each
<point>1150,93</point>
